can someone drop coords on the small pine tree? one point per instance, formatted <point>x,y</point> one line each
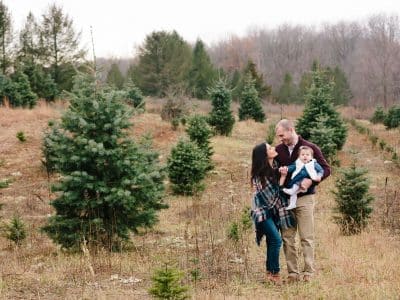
<point>21,136</point>
<point>186,168</point>
<point>378,116</point>
<point>135,97</point>
<point>221,118</point>
<point>392,119</point>
<point>319,103</point>
<point>114,77</point>
<point>15,231</point>
<point>250,102</point>
<point>19,92</point>
<point>341,92</point>
<point>167,284</point>
<point>110,185</point>
<point>353,201</point>
<point>200,133</point>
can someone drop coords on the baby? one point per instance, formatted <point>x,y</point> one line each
<point>305,166</point>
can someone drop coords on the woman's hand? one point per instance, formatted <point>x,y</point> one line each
<point>283,170</point>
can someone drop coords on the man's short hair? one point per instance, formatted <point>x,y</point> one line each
<point>285,124</point>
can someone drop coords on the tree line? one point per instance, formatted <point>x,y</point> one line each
<point>361,58</point>
<point>368,52</point>
<point>41,59</point>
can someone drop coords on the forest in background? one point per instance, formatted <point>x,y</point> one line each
<point>48,51</point>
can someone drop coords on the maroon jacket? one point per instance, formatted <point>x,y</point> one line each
<point>284,159</point>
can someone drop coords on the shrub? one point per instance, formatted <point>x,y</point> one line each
<point>186,168</point>
<point>175,107</point>
<point>392,119</point>
<point>21,136</point>
<point>378,116</point>
<point>200,133</point>
<point>167,284</point>
<point>15,231</point>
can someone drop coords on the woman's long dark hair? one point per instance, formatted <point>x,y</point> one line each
<point>260,168</point>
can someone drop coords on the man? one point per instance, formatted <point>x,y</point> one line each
<point>304,212</point>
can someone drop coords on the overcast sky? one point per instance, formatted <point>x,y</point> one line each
<point>121,25</point>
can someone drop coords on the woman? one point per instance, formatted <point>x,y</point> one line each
<point>268,210</point>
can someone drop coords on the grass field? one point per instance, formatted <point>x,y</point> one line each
<point>192,233</point>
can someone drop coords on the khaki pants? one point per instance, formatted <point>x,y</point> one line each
<point>304,213</point>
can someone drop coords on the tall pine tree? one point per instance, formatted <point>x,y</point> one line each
<point>202,72</point>
<point>5,38</point>
<point>60,46</point>
<point>163,63</point>
<point>262,88</point>
<point>110,185</point>
<point>221,118</point>
<point>319,103</point>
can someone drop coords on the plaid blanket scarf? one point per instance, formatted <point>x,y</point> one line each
<point>267,202</point>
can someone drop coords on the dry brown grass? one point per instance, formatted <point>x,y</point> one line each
<point>192,233</point>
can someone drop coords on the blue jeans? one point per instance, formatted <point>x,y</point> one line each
<point>274,243</point>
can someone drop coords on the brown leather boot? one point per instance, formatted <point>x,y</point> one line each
<point>274,278</point>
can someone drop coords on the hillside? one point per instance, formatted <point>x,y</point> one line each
<point>192,233</point>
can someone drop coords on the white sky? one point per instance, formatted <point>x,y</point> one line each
<point>121,25</point>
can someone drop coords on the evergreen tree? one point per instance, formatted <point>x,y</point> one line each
<point>51,139</point>
<point>392,119</point>
<point>221,118</point>
<point>115,78</point>
<point>60,46</point>
<point>236,85</point>
<point>287,92</point>
<point>323,135</point>
<point>19,91</point>
<point>341,92</point>
<point>319,103</point>
<point>134,94</point>
<point>378,116</point>
<point>250,103</point>
<point>200,133</point>
<point>163,63</point>
<point>187,167</point>
<point>167,284</point>
<point>31,62</point>
<point>15,231</point>
<point>304,86</point>
<point>5,83</point>
<point>5,38</point>
<point>353,201</point>
<point>110,185</point>
<point>262,89</point>
<point>202,73</point>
